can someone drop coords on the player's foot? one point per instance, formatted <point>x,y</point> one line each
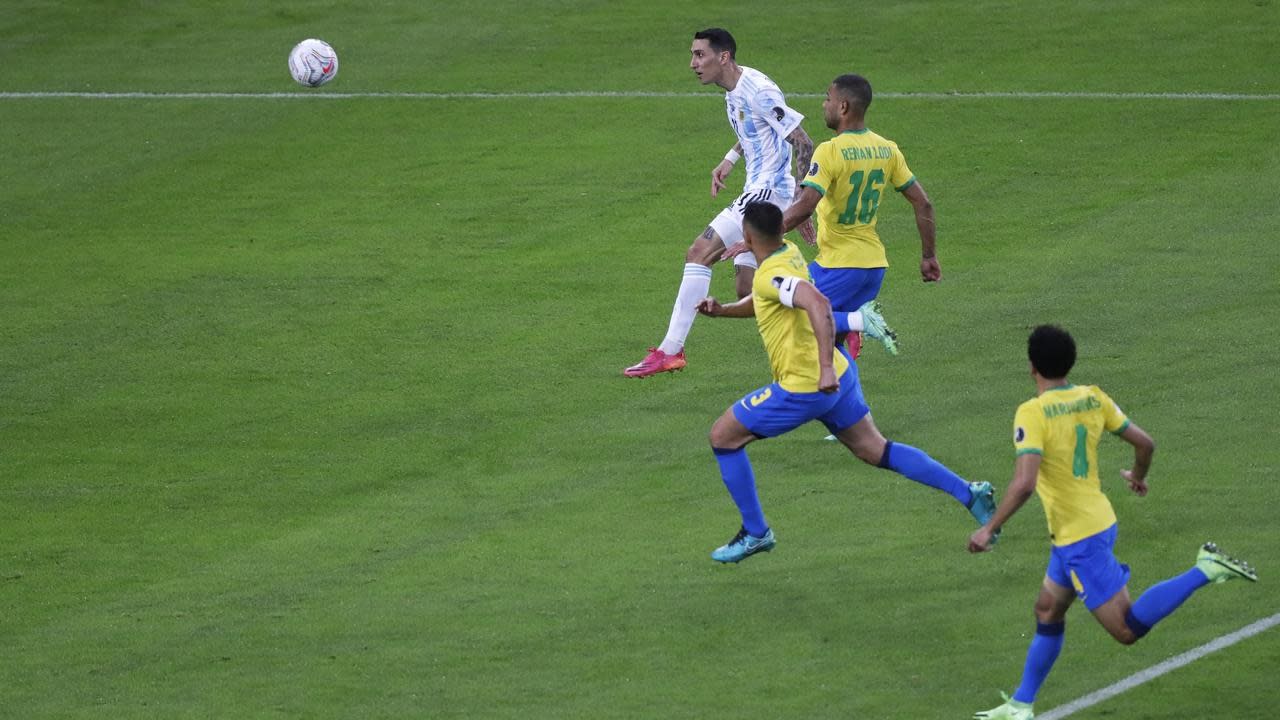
<point>1010,710</point>
<point>983,505</point>
<point>874,326</point>
<point>1220,567</point>
<point>656,362</point>
<point>742,546</point>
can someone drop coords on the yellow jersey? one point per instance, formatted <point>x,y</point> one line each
<point>787,333</point>
<point>1063,425</point>
<point>849,171</point>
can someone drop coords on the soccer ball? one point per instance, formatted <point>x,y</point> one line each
<point>313,63</point>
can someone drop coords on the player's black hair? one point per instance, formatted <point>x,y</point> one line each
<point>765,218</point>
<point>857,89</point>
<point>1052,351</point>
<point>719,39</point>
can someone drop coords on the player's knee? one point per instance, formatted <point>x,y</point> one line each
<point>704,251</point>
<point>714,438</point>
<point>1044,608</point>
<point>720,437</point>
<point>1124,635</point>
<point>1049,615</point>
<point>870,448</point>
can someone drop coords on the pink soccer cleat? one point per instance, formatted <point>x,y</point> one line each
<point>855,344</point>
<point>656,362</point>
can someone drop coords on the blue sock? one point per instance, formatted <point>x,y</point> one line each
<point>1043,652</point>
<point>735,470</point>
<point>1161,599</point>
<point>916,464</point>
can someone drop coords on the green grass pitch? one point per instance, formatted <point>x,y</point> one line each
<point>312,408</point>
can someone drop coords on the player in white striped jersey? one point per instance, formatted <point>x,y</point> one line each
<point>777,153</point>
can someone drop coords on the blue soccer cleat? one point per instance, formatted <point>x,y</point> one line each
<point>983,505</point>
<point>742,546</point>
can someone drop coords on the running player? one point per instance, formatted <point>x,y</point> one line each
<point>769,140</point>
<point>811,381</point>
<point>844,184</point>
<point>1056,435</point>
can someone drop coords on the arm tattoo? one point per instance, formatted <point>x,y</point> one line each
<point>802,149</point>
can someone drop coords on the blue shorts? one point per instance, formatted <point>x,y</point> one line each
<point>1090,567</point>
<point>847,288</point>
<point>771,411</point>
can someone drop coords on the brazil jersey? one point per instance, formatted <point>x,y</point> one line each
<point>787,333</point>
<point>850,170</point>
<point>1064,425</point>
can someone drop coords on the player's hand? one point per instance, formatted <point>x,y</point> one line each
<point>735,249</point>
<point>827,380</point>
<point>718,175</point>
<point>808,231</point>
<point>710,306</point>
<point>1137,485</point>
<point>930,271</point>
<point>980,540</point>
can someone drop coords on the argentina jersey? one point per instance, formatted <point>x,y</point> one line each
<point>762,121</point>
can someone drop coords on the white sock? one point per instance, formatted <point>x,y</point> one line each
<point>693,288</point>
<point>855,321</point>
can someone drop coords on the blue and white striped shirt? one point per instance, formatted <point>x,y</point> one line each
<point>762,121</point>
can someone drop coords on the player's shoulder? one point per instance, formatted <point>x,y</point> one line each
<point>1029,404</point>
<point>755,82</point>
<point>786,260</point>
<point>891,144</point>
<point>1095,393</point>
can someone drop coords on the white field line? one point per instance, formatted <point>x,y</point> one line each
<point>322,95</point>
<point>1156,671</point>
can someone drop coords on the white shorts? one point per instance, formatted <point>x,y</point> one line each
<point>728,224</point>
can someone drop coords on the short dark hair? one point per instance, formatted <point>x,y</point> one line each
<point>857,89</point>
<point>1052,351</point>
<point>765,218</point>
<point>719,39</point>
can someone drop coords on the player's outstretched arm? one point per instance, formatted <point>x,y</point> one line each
<point>1025,470</point>
<point>1144,448</point>
<point>744,308</point>
<point>930,271</point>
<point>818,308</point>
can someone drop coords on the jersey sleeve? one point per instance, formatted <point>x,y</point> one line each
<point>1028,429</point>
<point>1115,419</point>
<point>770,105</point>
<point>822,170</point>
<point>899,174</point>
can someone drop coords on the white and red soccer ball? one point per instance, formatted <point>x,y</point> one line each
<point>313,63</point>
